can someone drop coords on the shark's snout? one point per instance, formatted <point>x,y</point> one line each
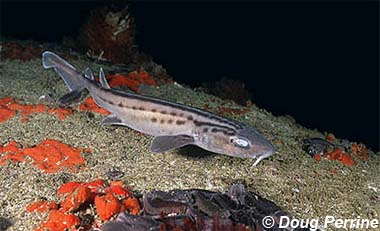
<point>268,150</point>
<point>260,147</point>
<point>263,148</point>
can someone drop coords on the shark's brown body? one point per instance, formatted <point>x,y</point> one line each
<point>174,125</point>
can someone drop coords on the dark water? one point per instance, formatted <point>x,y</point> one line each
<point>316,61</point>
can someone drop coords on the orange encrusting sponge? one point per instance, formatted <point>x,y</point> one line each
<point>78,197</point>
<point>50,155</point>
<point>9,108</point>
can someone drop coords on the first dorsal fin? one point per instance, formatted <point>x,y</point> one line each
<point>103,80</point>
<point>88,73</point>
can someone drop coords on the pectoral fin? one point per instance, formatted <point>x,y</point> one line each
<point>111,120</point>
<point>166,143</point>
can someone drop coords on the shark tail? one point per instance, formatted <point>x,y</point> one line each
<point>70,75</point>
<point>73,79</point>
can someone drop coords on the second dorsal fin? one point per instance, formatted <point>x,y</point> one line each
<point>103,80</point>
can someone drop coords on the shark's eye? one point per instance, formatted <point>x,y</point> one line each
<point>239,142</point>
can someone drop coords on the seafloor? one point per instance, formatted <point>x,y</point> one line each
<point>292,179</point>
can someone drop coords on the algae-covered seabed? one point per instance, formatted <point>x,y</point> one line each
<point>297,183</point>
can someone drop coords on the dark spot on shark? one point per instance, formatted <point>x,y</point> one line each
<point>154,110</point>
<point>163,112</point>
<point>173,113</point>
<point>180,122</point>
<point>162,121</point>
<point>224,131</point>
<point>141,108</point>
<point>120,104</point>
<point>170,121</point>
<point>215,127</point>
<point>134,107</point>
<point>190,117</point>
<point>205,130</point>
<point>197,123</point>
<point>154,120</point>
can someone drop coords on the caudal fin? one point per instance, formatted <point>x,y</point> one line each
<point>73,78</point>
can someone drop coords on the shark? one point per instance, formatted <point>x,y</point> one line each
<point>173,125</point>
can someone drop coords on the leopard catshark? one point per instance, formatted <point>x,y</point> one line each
<point>172,124</point>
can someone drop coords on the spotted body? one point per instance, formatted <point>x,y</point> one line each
<point>173,125</point>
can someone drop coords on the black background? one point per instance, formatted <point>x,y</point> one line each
<point>317,61</point>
